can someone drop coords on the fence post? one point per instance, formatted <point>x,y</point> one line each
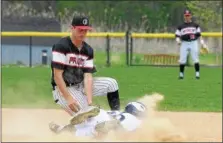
<point>127,47</point>
<point>131,49</point>
<point>108,50</point>
<point>44,57</point>
<point>30,51</point>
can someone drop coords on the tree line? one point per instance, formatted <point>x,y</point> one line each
<point>147,16</point>
<point>139,16</point>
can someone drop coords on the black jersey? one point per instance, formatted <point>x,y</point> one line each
<point>73,61</point>
<point>188,31</point>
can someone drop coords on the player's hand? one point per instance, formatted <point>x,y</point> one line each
<point>72,104</point>
<point>178,41</point>
<point>90,102</point>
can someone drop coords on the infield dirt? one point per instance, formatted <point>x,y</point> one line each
<point>22,125</point>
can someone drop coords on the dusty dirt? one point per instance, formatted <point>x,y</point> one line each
<point>32,125</point>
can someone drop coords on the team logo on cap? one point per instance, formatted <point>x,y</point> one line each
<point>85,21</point>
<point>187,12</point>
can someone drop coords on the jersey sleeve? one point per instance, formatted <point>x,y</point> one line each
<point>198,31</point>
<point>178,33</point>
<point>89,63</point>
<point>58,56</point>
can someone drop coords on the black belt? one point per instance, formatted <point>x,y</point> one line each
<point>70,84</point>
<point>189,40</point>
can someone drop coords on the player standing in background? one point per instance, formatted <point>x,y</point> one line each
<point>72,67</point>
<point>186,36</point>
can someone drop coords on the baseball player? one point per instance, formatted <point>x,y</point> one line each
<point>105,121</point>
<point>72,68</point>
<point>187,35</point>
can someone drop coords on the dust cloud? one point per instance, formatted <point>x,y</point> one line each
<point>153,129</point>
<point>32,125</point>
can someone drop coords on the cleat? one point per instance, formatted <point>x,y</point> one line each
<point>181,77</point>
<point>106,126</point>
<point>82,115</point>
<point>54,127</point>
<point>197,77</point>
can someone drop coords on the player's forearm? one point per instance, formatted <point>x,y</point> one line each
<point>62,86</point>
<point>88,85</point>
<point>178,39</point>
<point>201,40</point>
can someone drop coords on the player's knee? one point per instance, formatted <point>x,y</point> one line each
<point>196,61</point>
<point>182,62</point>
<point>112,85</point>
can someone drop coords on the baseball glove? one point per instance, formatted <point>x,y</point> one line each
<point>204,49</point>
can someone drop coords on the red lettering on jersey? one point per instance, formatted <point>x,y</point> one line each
<point>72,59</point>
<point>189,30</point>
<point>80,61</point>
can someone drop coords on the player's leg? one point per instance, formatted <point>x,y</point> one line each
<point>183,58</point>
<point>103,128</point>
<point>56,128</point>
<point>77,93</point>
<point>107,86</point>
<point>104,122</point>
<point>195,58</point>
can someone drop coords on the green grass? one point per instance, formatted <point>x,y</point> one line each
<point>30,87</point>
<point>117,59</point>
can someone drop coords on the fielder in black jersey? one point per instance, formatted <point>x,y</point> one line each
<point>187,35</point>
<point>72,81</point>
<point>73,61</point>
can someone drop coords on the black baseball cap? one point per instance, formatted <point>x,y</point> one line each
<point>81,22</point>
<point>187,12</point>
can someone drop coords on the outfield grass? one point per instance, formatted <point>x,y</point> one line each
<point>30,87</point>
<point>120,59</point>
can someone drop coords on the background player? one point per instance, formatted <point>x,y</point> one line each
<point>129,120</point>
<point>72,67</point>
<point>187,35</point>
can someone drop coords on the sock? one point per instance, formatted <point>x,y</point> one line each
<point>181,74</point>
<point>197,69</point>
<point>113,100</point>
<point>197,74</point>
<point>182,70</point>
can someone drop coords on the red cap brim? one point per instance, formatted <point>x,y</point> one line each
<point>187,14</point>
<point>84,27</point>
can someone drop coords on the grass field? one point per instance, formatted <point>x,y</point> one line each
<point>120,59</point>
<point>30,87</point>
